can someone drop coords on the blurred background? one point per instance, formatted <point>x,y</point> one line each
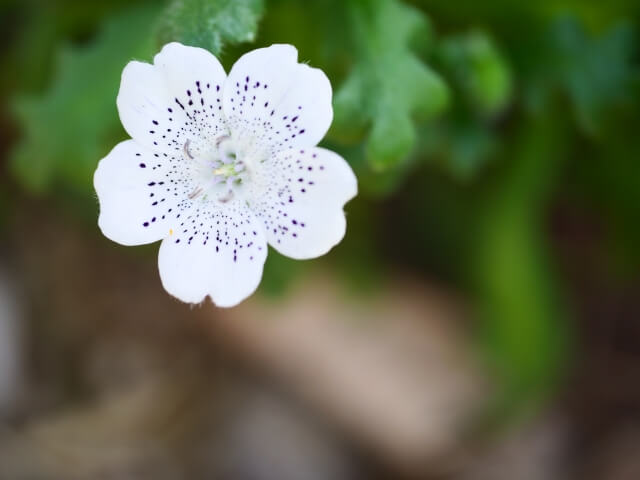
<point>480,320</point>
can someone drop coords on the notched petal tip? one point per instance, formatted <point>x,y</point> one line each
<point>228,294</point>
<point>180,50</point>
<point>283,49</point>
<point>155,102</point>
<point>192,291</point>
<point>222,301</point>
<point>184,296</point>
<point>227,266</point>
<point>276,101</point>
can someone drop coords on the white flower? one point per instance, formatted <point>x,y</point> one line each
<point>220,166</point>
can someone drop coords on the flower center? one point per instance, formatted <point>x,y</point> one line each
<point>219,173</point>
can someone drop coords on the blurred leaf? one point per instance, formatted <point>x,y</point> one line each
<point>358,255</point>
<point>318,28</point>
<point>479,70</point>
<point>371,181</point>
<point>608,183</point>
<point>464,140</point>
<point>73,124</point>
<point>210,24</point>
<point>459,145</point>
<point>34,29</point>
<point>388,85</point>
<point>524,322</point>
<point>595,71</point>
<point>279,273</point>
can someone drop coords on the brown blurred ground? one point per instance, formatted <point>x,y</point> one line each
<point>121,381</point>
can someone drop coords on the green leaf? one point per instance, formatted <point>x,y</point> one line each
<point>595,71</point>
<point>459,145</point>
<point>388,87</point>
<point>35,28</point>
<point>279,274</point>
<point>524,320</point>
<point>372,182</point>
<point>211,24</point>
<point>74,123</point>
<point>478,70</point>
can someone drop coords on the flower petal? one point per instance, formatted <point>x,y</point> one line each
<point>220,254</point>
<point>176,99</point>
<point>140,194</point>
<point>272,102</point>
<point>299,195</point>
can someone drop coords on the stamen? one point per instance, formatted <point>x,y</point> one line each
<point>227,197</point>
<point>195,193</point>
<point>221,139</point>
<point>225,169</point>
<point>186,149</point>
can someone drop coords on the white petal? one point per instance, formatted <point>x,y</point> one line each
<point>220,254</point>
<point>299,195</point>
<point>140,194</point>
<point>271,102</point>
<point>176,99</point>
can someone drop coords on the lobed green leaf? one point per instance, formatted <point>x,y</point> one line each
<point>67,129</point>
<point>210,24</point>
<point>388,88</point>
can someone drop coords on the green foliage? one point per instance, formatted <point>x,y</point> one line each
<point>464,135</point>
<point>388,86</point>
<point>463,140</point>
<point>478,70</point>
<point>596,71</point>
<point>74,123</point>
<point>279,273</point>
<point>210,24</point>
<point>34,29</point>
<point>84,88</point>
<point>459,144</point>
<point>523,321</point>
<point>608,182</point>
